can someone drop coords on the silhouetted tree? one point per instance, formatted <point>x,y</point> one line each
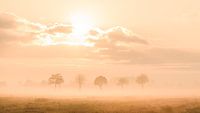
<point>142,79</point>
<point>100,81</point>
<point>122,81</point>
<point>56,79</point>
<point>80,79</point>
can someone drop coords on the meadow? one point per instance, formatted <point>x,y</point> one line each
<point>99,105</point>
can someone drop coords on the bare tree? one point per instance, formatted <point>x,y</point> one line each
<point>122,81</point>
<point>100,81</point>
<point>80,79</point>
<point>56,79</point>
<point>142,79</point>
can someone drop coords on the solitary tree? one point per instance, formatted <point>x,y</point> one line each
<point>142,79</point>
<point>56,79</point>
<point>122,81</point>
<point>80,79</point>
<point>100,81</point>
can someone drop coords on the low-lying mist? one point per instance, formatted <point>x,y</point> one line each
<point>90,90</point>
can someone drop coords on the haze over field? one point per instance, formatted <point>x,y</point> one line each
<point>119,40</point>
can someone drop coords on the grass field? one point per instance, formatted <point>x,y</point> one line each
<point>98,105</point>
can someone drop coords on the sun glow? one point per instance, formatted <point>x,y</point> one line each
<point>81,23</point>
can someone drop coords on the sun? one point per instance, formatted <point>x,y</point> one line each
<point>81,23</point>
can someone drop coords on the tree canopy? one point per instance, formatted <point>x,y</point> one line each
<point>100,81</point>
<point>56,79</point>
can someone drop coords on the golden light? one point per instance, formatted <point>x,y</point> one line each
<point>81,23</point>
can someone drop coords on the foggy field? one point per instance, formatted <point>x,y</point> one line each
<point>99,56</point>
<point>98,105</point>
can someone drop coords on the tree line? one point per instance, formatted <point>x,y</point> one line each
<point>57,79</point>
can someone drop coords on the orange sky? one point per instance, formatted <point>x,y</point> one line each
<point>38,38</point>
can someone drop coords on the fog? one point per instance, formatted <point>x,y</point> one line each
<point>111,89</point>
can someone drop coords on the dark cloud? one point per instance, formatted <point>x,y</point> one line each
<point>120,34</point>
<point>11,21</point>
<point>59,28</point>
<point>116,36</point>
<point>7,21</point>
<point>8,38</point>
<point>96,32</point>
<point>15,30</point>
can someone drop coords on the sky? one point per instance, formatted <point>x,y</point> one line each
<point>100,37</point>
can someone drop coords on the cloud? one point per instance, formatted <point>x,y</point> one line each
<point>120,34</point>
<point>12,37</point>
<point>116,36</point>
<point>11,21</point>
<point>117,43</point>
<point>8,21</point>
<point>30,39</point>
<point>13,27</point>
<point>16,30</point>
<point>22,38</point>
<point>59,28</point>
